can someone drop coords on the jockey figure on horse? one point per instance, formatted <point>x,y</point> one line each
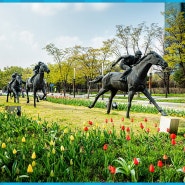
<point>13,78</point>
<point>127,61</point>
<point>36,70</point>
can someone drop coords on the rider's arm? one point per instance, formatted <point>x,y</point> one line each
<point>121,57</point>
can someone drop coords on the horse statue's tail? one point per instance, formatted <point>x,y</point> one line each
<point>97,79</point>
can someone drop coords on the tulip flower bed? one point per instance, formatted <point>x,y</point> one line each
<point>38,151</point>
<point>134,108</point>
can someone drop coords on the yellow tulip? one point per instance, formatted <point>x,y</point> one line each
<point>33,156</point>
<point>52,173</point>
<point>9,139</point>
<point>72,138</point>
<point>71,162</point>
<point>52,143</point>
<point>33,163</point>
<point>3,145</point>
<point>65,131</point>
<point>23,140</point>
<point>62,148</point>
<point>14,151</point>
<point>30,169</point>
<point>53,151</point>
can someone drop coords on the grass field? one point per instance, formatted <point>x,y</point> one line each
<point>65,143</point>
<point>77,116</point>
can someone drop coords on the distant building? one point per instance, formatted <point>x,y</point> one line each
<point>178,6</point>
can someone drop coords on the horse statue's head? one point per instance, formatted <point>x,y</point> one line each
<point>156,59</point>
<point>18,78</point>
<point>17,82</point>
<point>44,68</point>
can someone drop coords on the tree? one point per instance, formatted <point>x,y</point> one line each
<point>175,42</point>
<point>6,74</point>
<point>59,56</point>
<point>131,38</point>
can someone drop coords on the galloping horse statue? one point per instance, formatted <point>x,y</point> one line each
<point>136,82</point>
<point>38,84</point>
<point>15,88</point>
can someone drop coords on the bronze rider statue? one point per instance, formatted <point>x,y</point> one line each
<point>127,61</point>
<point>36,70</point>
<point>13,78</point>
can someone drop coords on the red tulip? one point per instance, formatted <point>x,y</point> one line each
<point>145,119</point>
<point>136,161</point>
<point>141,126</point>
<point>128,138</point>
<point>111,120</point>
<point>183,169</point>
<point>151,168</point>
<point>122,127</point>
<point>90,122</point>
<point>172,136</point>
<point>105,146</point>
<point>160,164</point>
<point>122,119</point>
<point>155,125</point>
<point>158,129</point>
<point>132,120</point>
<point>128,129</point>
<point>148,130</point>
<point>112,169</point>
<point>106,120</point>
<point>86,129</point>
<point>165,157</point>
<point>173,142</point>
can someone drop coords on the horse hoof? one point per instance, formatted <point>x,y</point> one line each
<point>163,113</point>
<point>90,106</point>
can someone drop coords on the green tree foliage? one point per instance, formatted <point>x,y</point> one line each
<point>6,74</point>
<point>175,42</point>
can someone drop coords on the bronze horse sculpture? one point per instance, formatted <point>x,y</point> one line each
<point>15,88</point>
<point>136,82</point>
<point>38,84</point>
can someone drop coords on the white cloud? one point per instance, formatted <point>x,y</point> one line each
<point>91,6</point>
<point>67,41</point>
<point>50,9</point>
<point>101,6</point>
<point>47,9</point>
<point>27,38</point>
<point>96,42</point>
<point>2,37</point>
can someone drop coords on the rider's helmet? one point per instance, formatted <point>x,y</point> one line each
<point>14,74</point>
<point>40,63</point>
<point>138,54</point>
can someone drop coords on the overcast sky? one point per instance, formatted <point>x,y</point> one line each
<point>28,27</point>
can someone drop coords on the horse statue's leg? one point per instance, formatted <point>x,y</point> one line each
<point>113,93</point>
<point>130,97</point>
<point>34,96</point>
<point>44,92</point>
<point>147,94</point>
<point>8,92</point>
<point>27,94</point>
<point>16,96</point>
<point>101,92</point>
